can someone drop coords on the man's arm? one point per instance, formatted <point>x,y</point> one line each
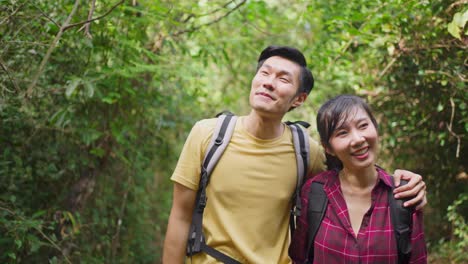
<point>178,226</point>
<point>415,189</point>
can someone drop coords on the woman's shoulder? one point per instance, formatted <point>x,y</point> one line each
<point>321,177</point>
<point>385,176</point>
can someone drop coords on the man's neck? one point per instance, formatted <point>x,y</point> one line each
<point>263,127</point>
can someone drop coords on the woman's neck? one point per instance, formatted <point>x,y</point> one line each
<point>359,179</point>
<point>263,127</point>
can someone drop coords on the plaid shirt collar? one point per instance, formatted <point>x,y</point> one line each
<point>332,181</point>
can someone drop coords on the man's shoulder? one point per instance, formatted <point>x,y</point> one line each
<point>314,144</point>
<point>205,126</point>
<point>207,123</point>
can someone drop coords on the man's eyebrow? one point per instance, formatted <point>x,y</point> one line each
<point>281,72</point>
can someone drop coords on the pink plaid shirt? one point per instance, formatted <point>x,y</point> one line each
<point>335,241</point>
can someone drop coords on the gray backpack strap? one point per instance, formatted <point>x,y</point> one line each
<point>302,150</point>
<point>219,141</point>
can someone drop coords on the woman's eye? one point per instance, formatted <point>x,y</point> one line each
<point>364,125</point>
<point>341,133</point>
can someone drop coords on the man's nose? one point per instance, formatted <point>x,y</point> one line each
<point>268,82</point>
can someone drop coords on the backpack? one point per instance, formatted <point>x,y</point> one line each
<point>219,141</point>
<point>401,218</point>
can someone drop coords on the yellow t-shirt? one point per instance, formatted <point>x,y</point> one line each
<point>249,193</point>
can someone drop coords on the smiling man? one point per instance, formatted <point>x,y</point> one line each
<point>249,195</point>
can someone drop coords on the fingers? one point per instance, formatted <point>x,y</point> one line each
<point>423,203</point>
<point>397,177</point>
<point>417,200</point>
<point>413,178</point>
<point>415,190</point>
<point>410,192</point>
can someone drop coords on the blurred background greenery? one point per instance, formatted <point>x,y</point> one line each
<point>97,98</point>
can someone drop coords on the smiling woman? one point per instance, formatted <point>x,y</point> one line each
<point>358,224</point>
<point>347,121</point>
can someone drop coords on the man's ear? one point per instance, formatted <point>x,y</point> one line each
<point>299,99</point>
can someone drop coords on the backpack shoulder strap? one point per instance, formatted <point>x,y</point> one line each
<point>315,212</point>
<point>302,151</point>
<point>219,141</point>
<point>402,221</point>
<point>221,136</point>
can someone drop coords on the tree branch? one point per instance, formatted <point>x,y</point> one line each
<point>350,41</point>
<point>51,48</point>
<point>12,80</point>
<point>12,14</point>
<point>449,128</point>
<point>389,65</point>
<point>90,16</point>
<point>96,18</point>
<point>461,2</point>
<point>116,237</point>
<point>209,23</point>
<point>217,9</point>
<point>46,16</point>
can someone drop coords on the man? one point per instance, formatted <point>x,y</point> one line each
<point>250,189</point>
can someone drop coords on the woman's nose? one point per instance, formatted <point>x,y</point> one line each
<point>357,138</point>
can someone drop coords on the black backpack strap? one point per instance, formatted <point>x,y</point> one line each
<point>302,151</point>
<point>315,212</point>
<point>219,141</point>
<point>402,221</point>
<point>218,255</point>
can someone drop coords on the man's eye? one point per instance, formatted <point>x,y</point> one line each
<point>285,80</point>
<point>364,125</point>
<point>264,73</point>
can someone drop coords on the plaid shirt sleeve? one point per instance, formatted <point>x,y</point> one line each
<point>418,244</point>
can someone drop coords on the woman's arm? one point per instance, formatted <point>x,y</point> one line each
<point>418,243</point>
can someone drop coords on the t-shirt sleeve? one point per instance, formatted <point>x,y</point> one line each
<point>187,171</point>
<point>317,158</point>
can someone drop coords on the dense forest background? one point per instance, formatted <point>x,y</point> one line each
<point>97,98</point>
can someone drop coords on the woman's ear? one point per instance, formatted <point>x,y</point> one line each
<point>328,149</point>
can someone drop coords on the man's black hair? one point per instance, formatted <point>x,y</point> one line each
<point>306,79</point>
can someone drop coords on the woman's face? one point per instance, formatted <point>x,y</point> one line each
<point>355,141</point>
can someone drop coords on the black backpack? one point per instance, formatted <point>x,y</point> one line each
<point>401,220</point>
<point>219,141</point>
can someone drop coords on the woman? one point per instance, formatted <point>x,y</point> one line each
<point>356,227</point>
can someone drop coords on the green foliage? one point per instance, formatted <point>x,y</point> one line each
<point>92,120</point>
<point>458,24</point>
<point>454,250</point>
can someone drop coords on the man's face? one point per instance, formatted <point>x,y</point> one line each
<point>275,85</point>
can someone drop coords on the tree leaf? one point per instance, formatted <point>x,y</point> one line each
<point>71,87</point>
<point>454,30</point>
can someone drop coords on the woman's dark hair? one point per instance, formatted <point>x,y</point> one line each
<point>332,114</point>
